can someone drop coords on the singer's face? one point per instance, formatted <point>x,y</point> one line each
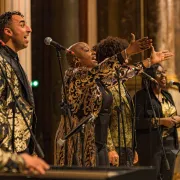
<point>161,77</point>
<point>19,33</point>
<point>86,56</point>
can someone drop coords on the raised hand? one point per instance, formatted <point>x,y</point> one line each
<point>137,46</point>
<point>157,57</point>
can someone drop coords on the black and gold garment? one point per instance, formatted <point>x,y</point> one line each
<point>126,132</point>
<point>149,147</point>
<point>14,134</point>
<point>168,110</point>
<point>84,97</point>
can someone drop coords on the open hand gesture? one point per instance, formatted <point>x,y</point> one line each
<point>137,46</point>
<point>157,57</point>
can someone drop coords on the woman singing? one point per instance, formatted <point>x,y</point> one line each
<point>150,127</point>
<point>87,95</point>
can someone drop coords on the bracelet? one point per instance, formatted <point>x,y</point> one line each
<point>140,65</point>
<point>126,57</point>
<point>155,122</point>
<point>125,54</point>
<point>149,62</point>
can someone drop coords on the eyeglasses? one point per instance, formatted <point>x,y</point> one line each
<point>160,73</point>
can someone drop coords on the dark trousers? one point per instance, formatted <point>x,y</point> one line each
<point>125,159</point>
<point>157,159</point>
<point>171,157</point>
<point>102,155</point>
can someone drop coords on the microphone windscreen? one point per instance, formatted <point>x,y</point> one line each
<point>47,40</point>
<point>171,82</point>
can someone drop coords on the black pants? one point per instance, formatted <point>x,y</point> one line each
<point>157,159</point>
<point>125,159</point>
<point>171,157</point>
<point>101,128</point>
<point>102,155</point>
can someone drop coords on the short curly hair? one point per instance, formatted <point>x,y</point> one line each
<point>5,20</point>
<point>109,47</point>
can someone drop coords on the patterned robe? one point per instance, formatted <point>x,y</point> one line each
<point>127,117</point>
<point>14,134</point>
<point>127,113</point>
<point>84,97</point>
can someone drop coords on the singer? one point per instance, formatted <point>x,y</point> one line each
<point>86,94</point>
<point>104,49</point>
<point>15,138</point>
<point>149,147</point>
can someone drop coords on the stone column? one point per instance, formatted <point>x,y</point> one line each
<point>24,6</point>
<point>165,33</point>
<point>114,28</point>
<point>92,22</point>
<point>166,37</point>
<point>65,23</point>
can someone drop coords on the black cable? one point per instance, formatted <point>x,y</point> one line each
<point>120,111</point>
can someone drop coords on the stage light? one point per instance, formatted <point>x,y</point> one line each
<point>34,83</point>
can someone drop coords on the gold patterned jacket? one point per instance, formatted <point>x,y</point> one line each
<point>127,114</point>
<point>12,125</point>
<point>84,98</point>
<point>127,72</point>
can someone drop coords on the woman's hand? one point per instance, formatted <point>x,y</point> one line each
<point>157,57</point>
<point>177,119</point>
<point>168,122</point>
<point>137,46</point>
<point>113,158</point>
<point>136,159</point>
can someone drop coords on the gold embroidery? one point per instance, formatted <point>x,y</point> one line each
<point>21,133</point>
<point>127,115</point>
<point>84,98</point>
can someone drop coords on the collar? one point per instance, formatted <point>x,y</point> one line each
<point>13,54</point>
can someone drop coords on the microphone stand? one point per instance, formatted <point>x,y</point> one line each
<point>16,103</point>
<point>155,117</point>
<point>64,106</point>
<point>66,109</point>
<point>120,110</point>
<point>76,129</point>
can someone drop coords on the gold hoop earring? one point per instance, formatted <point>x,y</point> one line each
<point>77,62</point>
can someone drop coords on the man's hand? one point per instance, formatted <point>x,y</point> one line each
<point>34,164</point>
<point>113,158</point>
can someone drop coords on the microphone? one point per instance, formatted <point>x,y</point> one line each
<point>143,74</point>
<point>49,41</point>
<point>128,72</point>
<point>171,83</point>
<point>147,76</point>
